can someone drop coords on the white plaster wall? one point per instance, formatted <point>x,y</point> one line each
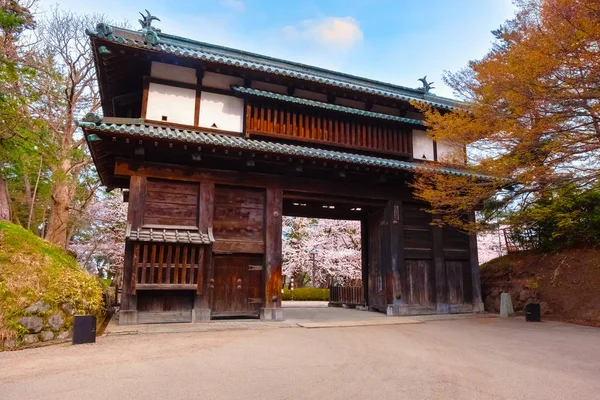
<point>221,81</point>
<point>269,87</point>
<point>422,145</point>
<point>350,103</point>
<point>173,72</point>
<point>306,94</point>
<point>449,152</point>
<point>177,104</point>
<point>226,112</point>
<point>385,109</point>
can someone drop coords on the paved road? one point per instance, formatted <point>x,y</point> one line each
<point>455,359</point>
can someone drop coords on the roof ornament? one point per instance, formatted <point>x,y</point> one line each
<point>104,30</point>
<point>427,86</point>
<point>149,32</point>
<point>92,117</point>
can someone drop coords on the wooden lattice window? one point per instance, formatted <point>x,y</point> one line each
<point>168,266</point>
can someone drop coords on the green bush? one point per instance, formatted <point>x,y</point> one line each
<point>569,217</point>
<point>306,294</point>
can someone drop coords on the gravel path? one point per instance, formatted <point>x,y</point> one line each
<point>487,358</point>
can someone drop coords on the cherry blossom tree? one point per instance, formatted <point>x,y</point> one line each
<point>491,244</point>
<point>335,246</point>
<point>99,240</point>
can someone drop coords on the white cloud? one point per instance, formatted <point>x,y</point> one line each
<point>338,32</point>
<point>235,5</point>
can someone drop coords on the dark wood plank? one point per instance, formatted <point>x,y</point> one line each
<point>176,262</point>
<point>144,263</point>
<point>273,248</point>
<point>184,265</point>
<point>161,254</point>
<point>152,264</point>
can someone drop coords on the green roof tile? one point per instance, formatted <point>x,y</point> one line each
<point>204,51</point>
<point>238,142</point>
<point>326,106</point>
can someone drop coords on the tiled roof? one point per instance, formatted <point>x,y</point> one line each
<point>320,104</point>
<point>169,236</point>
<point>238,142</point>
<point>223,55</point>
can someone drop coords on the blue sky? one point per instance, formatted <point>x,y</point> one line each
<point>395,41</point>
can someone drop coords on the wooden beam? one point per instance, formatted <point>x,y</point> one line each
<point>475,275</point>
<point>165,286</point>
<point>128,167</point>
<point>145,97</point>
<point>397,275</point>
<point>291,195</point>
<point>273,259</point>
<point>203,301</point>
<point>439,266</point>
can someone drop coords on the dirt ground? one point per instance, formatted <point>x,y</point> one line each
<point>569,281</point>
<point>486,358</point>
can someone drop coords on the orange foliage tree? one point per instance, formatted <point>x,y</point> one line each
<point>531,112</point>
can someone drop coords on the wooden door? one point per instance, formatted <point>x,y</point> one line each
<point>237,285</point>
<point>454,277</point>
<point>376,266</point>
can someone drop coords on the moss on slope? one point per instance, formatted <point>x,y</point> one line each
<point>31,270</point>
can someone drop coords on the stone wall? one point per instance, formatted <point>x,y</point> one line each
<point>42,324</point>
<point>522,292</point>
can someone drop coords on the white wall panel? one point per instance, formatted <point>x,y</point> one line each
<point>173,72</point>
<point>220,81</point>
<point>221,112</point>
<point>175,103</point>
<point>422,145</point>
<point>269,87</point>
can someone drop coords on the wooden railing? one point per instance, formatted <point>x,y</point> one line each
<point>282,121</point>
<point>350,295</point>
<point>164,266</point>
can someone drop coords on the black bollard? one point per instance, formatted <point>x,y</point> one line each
<point>84,329</point>
<point>533,313</point>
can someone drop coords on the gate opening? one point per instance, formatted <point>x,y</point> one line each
<point>324,250</point>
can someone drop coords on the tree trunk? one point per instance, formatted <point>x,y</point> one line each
<point>62,193</point>
<point>4,201</point>
<point>59,214</point>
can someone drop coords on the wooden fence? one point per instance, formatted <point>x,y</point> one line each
<point>350,295</point>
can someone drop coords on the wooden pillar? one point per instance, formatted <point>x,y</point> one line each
<point>135,216</point>
<point>397,266</point>
<point>271,308</point>
<point>474,262</point>
<point>439,266</point>
<point>203,301</point>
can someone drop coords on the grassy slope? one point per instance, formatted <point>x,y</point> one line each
<point>31,269</point>
<point>569,281</point>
